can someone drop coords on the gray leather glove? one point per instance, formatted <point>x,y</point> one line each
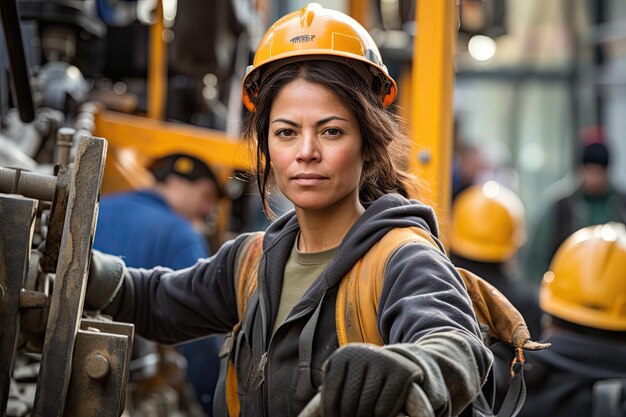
<point>106,274</point>
<point>366,380</point>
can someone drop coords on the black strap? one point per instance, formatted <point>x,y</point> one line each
<point>305,354</point>
<point>516,394</point>
<point>609,398</point>
<point>305,344</point>
<point>219,397</point>
<point>231,343</point>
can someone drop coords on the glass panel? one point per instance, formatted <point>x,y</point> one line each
<point>523,132</point>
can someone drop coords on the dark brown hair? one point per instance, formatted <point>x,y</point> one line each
<point>384,143</point>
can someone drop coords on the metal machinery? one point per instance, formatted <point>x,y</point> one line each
<point>54,359</point>
<point>83,367</point>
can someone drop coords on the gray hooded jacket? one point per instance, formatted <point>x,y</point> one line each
<point>424,309</point>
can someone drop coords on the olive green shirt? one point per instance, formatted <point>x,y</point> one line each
<point>301,270</point>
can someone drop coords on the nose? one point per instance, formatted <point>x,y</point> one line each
<point>309,149</point>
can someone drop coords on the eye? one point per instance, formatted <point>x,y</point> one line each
<point>331,131</point>
<point>285,133</point>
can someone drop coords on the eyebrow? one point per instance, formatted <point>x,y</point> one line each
<point>318,123</point>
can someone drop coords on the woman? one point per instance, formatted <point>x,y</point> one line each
<point>318,94</point>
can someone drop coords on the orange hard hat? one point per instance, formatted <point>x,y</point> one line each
<point>586,284</point>
<point>487,223</point>
<point>315,32</point>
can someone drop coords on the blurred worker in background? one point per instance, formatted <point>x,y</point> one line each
<point>593,201</point>
<point>467,166</point>
<point>583,374</point>
<point>155,227</point>
<point>186,190</point>
<point>488,229</point>
<point>318,94</point>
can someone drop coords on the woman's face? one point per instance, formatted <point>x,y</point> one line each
<point>315,147</point>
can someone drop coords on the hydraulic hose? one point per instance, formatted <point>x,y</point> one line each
<point>19,70</point>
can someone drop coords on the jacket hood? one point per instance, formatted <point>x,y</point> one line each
<point>387,212</point>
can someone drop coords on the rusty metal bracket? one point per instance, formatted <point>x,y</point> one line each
<point>100,368</point>
<point>115,328</point>
<point>17,215</point>
<point>71,278</point>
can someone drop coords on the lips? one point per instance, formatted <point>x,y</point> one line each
<point>308,178</point>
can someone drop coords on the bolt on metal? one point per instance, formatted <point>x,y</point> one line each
<point>97,367</point>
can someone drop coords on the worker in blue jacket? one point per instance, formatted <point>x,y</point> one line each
<point>154,227</point>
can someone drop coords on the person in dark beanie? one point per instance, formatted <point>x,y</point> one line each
<point>595,154</point>
<point>154,227</point>
<point>593,201</point>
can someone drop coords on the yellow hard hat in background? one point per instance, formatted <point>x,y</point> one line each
<point>586,283</point>
<point>315,32</point>
<point>487,223</point>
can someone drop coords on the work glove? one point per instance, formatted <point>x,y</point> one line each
<point>366,380</point>
<point>106,274</point>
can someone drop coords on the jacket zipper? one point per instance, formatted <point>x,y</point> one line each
<point>263,366</point>
<point>261,369</point>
